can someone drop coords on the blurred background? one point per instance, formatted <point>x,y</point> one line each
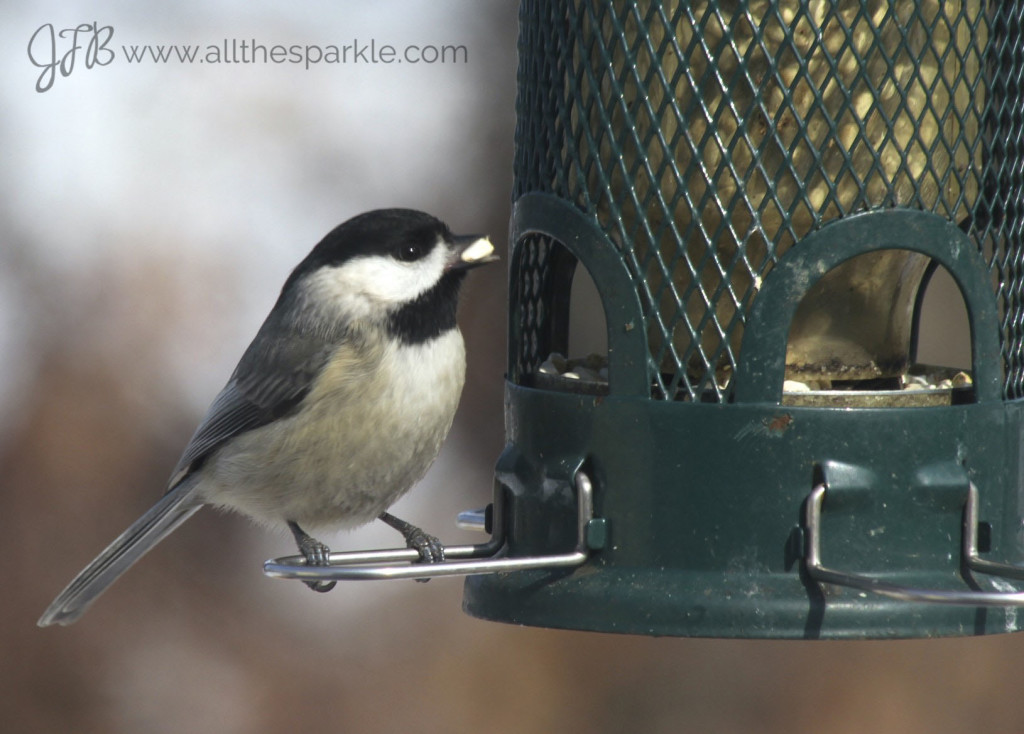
<point>149,215</point>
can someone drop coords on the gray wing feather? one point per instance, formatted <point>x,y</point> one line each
<point>272,378</point>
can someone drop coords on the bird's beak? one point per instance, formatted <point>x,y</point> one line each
<point>469,251</point>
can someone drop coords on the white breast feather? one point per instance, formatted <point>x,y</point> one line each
<point>370,430</point>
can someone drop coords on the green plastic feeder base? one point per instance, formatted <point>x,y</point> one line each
<point>711,542</point>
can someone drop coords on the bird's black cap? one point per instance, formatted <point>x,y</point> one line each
<point>402,233</point>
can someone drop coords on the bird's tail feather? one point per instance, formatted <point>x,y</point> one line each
<point>161,520</point>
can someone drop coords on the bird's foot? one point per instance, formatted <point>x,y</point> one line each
<point>315,553</point>
<point>431,549</point>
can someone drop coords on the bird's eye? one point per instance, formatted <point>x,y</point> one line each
<point>408,253</point>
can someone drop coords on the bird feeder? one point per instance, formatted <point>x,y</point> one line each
<point>760,193</point>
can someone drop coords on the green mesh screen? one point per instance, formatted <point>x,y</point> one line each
<point>707,138</point>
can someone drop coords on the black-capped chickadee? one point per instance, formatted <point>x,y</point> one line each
<point>338,406</point>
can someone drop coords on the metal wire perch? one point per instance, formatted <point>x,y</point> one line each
<point>460,560</point>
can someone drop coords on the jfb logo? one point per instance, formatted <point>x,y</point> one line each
<point>86,41</point>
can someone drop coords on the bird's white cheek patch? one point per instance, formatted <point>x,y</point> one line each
<point>365,286</point>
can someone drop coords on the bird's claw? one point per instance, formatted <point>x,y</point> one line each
<point>315,553</point>
<point>321,586</point>
<point>431,549</point>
